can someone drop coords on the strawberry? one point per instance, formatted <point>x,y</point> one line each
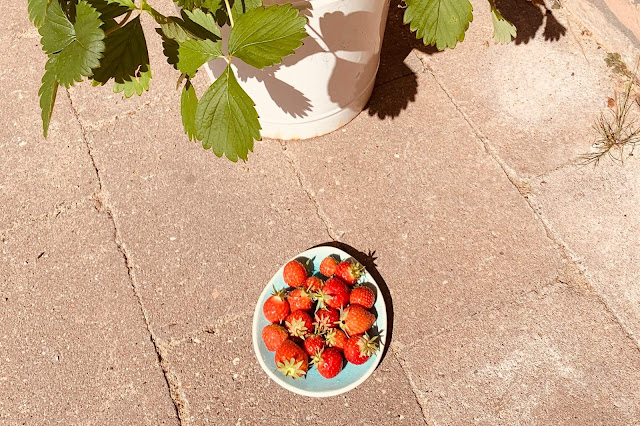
<point>276,308</point>
<point>328,362</point>
<point>299,324</point>
<point>356,320</point>
<point>359,348</point>
<point>273,335</point>
<point>363,296</point>
<point>291,360</point>
<point>313,344</point>
<point>299,299</point>
<point>294,274</point>
<point>325,319</point>
<point>336,338</point>
<point>349,271</point>
<point>335,293</point>
<point>313,283</point>
<point>328,266</point>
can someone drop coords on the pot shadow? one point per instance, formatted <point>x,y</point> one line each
<point>368,261</point>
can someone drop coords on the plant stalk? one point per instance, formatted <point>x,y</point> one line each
<point>120,25</point>
<point>226,3</point>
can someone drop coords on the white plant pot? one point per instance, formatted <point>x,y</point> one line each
<point>328,81</point>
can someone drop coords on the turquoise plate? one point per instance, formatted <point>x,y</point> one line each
<point>314,384</point>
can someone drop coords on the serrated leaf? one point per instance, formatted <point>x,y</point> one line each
<point>126,3</point>
<point>108,11</point>
<point>439,22</point>
<point>239,7</point>
<point>192,54</point>
<point>125,55</point>
<point>503,30</point>
<point>189,4</point>
<point>188,107</point>
<point>135,85</point>
<point>203,19</point>
<point>77,47</point>
<point>47,94</point>
<point>262,37</point>
<point>37,11</point>
<point>226,119</point>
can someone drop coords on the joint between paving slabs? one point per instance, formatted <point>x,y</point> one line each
<point>103,205</point>
<point>306,187</point>
<point>414,389</point>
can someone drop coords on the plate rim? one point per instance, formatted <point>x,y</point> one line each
<point>318,394</point>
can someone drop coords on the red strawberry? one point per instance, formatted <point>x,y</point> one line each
<point>313,344</point>
<point>291,360</point>
<point>359,348</point>
<point>299,299</point>
<point>328,362</point>
<point>336,338</point>
<point>273,335</point>
<point>356,320</point>
<point>335,293</point>
<point>313,283</point>
<point>328,266</point>
<point>362,296</point>
<point>299,324</point>
<point>325,319</point>
<point>294,273</point>
<point>349,271</point>
<point>276,308</point>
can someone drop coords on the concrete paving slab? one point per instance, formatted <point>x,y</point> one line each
<point>205,235</point>
<point>605,234</point>
<point>223,383</point>
<point>555,357</point>
<point>535,99</point>
<point>37,175</point>
<point>74,348</point>
<point>453,236</point>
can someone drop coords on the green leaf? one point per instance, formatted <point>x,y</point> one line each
<point>108,11</point>
<point>262,37</point>
<point>126,3</point>
<point>77,47</point>
<point>192,54</point>
<point>503,30</point>
<point>239,7</point>
<point>137,84</point>
<point>204,20</point>
<point>439,22</point>
<point>189,4</point>
<point>37,11</point>
<point>188,107</point>
<point>125,55</point>
<point>226,119</point>
<point>47,94</point>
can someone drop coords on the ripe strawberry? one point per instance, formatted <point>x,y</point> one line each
<point>336,338</point>
<point>349,271</point>
<point>313,283</point>
<point>328,362</point>
<point>335,293</point>
<point>291,360</point>
<point>274,335</point>
<point>363,296</point>
<point>276,308</point>
<point>359,348</point>
<point>294,273</point>
<point>299,324</point>
<point>328,266</point>
<point>313,344</point>
<point>299,299</point>
<point>356,320</point>
<point>325,319</point>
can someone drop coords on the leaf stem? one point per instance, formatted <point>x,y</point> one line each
<point>120,25</point>
<point>226,2</point>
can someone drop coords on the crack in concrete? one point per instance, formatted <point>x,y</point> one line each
<point>524,188</point>
<point>175,393</point>
<point>306,187</point>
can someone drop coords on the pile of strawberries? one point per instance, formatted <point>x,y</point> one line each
<point>323,319</point>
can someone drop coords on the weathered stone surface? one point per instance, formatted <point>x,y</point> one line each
<point>205,235</point>
<point>595,212</point>
<point>453,236</point>
<point>555,357</point>
<point>74,348</point>
<point>224,384</point>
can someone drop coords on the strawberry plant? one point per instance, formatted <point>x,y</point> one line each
<point>103,41</point>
